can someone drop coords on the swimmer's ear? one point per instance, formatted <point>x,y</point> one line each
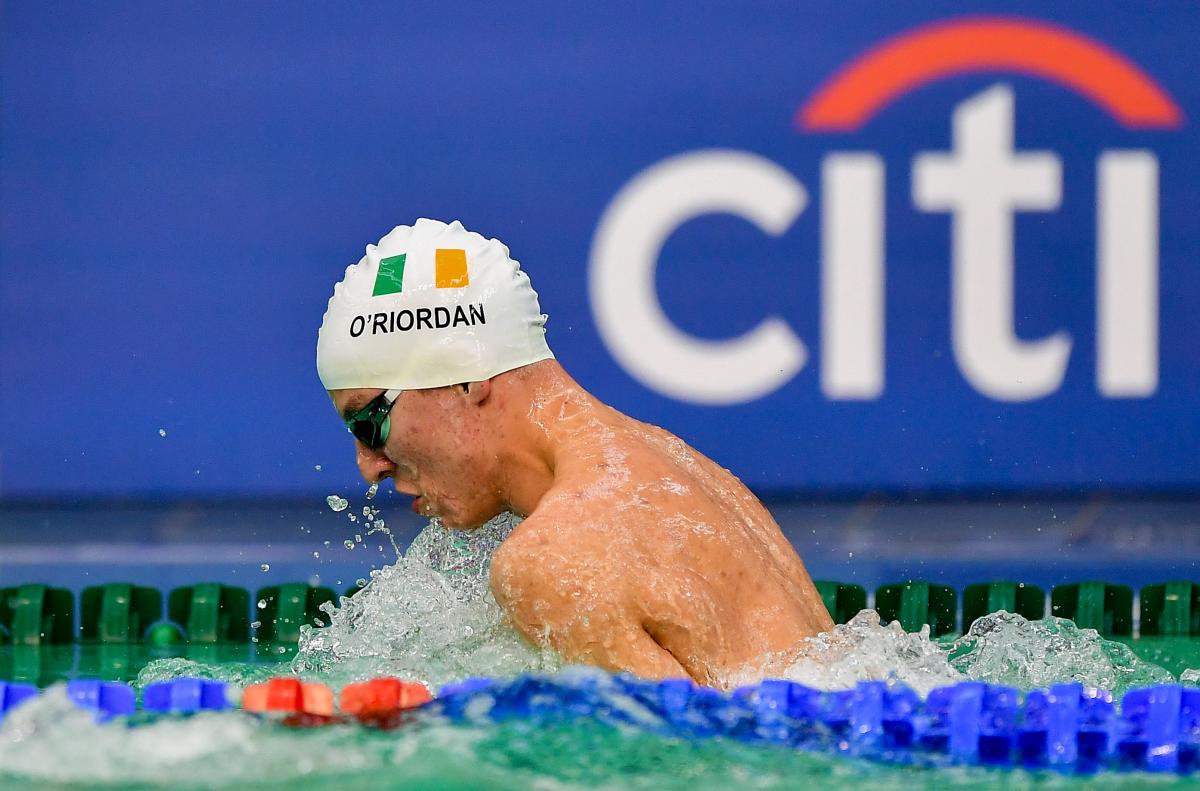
<point>477,392</point>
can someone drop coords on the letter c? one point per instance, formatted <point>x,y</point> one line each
<point>625,250</point>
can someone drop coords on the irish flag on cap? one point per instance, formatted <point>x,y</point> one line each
<point>450,271</point>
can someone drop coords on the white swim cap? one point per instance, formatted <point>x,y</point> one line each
<point>430,305</point>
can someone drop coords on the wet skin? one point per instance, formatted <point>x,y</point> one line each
<point>637,552</point>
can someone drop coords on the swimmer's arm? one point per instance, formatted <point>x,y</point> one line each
<point>553,605</point>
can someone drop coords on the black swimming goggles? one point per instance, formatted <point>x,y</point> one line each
<point>371,424</point>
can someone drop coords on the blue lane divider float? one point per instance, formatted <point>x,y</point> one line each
<point>1067,727</point>
<point>185,696</point>
<point>13,695</point>
<point>107,699</point>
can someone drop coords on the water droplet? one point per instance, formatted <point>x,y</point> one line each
<point>337,503</point>
<point>162,432</point>
<point>349,544</point>
<point>371,490</point>
<point>262,604</point>
<point>256,625</point>
<point>317,555</point>
<point>317,467</point>
<point>358,538</point>
<point>265,567</point>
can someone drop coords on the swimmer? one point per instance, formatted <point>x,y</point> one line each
<point>636,553</point>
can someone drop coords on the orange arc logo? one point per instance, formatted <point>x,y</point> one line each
<point>852,96</point>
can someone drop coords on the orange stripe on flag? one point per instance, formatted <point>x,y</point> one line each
<point>451,268</point>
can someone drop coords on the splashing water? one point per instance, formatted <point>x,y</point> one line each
<point>377,525</point>
<point>865,649</point>
<point>1001,648</point>
<point>1005,648</point>
<point>431,617</point>
<point>370,517</point>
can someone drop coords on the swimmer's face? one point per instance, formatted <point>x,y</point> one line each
<point>436,451</point>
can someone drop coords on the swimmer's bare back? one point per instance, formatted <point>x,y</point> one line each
<point>646,556</point>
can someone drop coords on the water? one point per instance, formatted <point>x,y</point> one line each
<point>1004,648</point>
<point>431,616</point>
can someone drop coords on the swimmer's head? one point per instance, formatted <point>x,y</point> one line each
<point>430,305</point>
<point>445,447</point>
<point>441,315</point>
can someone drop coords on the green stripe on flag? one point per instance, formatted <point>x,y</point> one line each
<point>390,279</point>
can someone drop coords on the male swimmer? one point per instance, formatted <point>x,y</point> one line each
<point>636,552</point>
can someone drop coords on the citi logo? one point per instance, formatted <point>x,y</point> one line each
<point>981,182</point>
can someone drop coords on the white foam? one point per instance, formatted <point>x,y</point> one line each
<point>431,616</point>
<point>1005,648</point>
<point>860,650</point>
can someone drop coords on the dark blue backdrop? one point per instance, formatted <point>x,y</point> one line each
<point>181,185</point>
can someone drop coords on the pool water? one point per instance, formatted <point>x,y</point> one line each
<point>430,617</point>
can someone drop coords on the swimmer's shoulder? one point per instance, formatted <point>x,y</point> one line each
<point>539,572</point>
<point>558,534</point>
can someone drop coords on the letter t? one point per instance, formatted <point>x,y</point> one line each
<point>982,183</point>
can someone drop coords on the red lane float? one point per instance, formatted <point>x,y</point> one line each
<point>383,696</point>
<point>380,703</point>
<point>383,702</point>
<point>289,696</point>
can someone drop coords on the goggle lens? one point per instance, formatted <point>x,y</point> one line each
<point>370,425</point>
<point>367,433</point>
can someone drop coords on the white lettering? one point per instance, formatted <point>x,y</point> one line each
<point>982,183</point>
<point>625,251</point>
<point>852,276</point>
<point>1127,274</point>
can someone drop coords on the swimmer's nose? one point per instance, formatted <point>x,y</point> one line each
<point>373,465</point>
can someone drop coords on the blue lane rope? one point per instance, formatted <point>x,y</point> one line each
<point>1067,727</point>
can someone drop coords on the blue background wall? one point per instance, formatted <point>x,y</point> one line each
<point>181,185</point>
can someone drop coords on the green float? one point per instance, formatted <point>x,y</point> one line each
<point>118,612</point>
<point>844,600</point>
<point>211,612</point>
<point>916,604</point>
<point>1102,606</point>
<point>985,598</point>
<point>283,609</point>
